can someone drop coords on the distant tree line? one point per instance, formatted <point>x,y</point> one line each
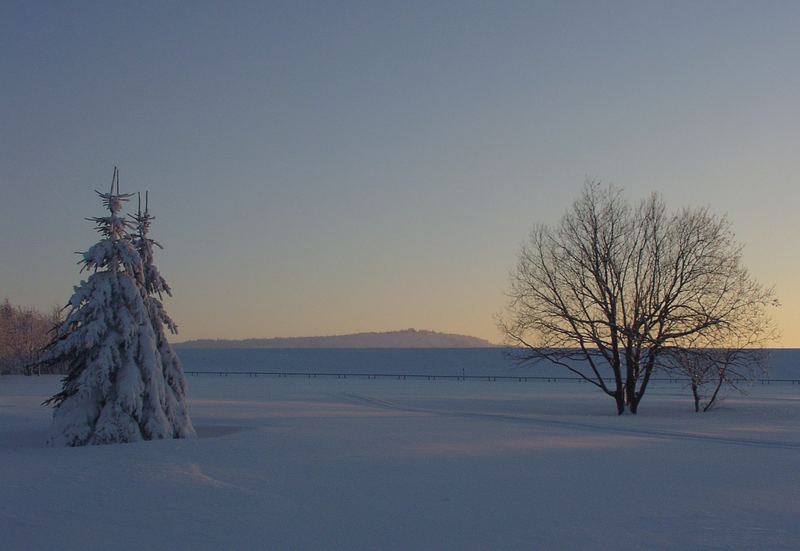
<point>24,332</point>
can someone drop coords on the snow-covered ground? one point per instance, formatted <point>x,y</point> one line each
<point>295,463</point>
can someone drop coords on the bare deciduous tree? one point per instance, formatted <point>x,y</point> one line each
<point>23,334</point>
<point>611,286</point>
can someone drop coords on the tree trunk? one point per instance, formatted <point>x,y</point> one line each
<point>696,397</point>
<point>619,390</point>
<point>631,397</point>
<point>619,397</point>
<point>713,398</point>
<point>630,393</point>
<point>635,396</point>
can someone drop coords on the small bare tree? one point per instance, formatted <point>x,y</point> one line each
<point>709,369</point>
<point>611,286</point>
<point>729,355</point>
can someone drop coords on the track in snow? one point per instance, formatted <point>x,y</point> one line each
<point>650,433</point>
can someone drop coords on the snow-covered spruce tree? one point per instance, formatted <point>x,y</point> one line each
<point>114,390</point>
<point>153,290</point>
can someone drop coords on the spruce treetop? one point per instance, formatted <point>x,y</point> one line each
<point>153,282</point>
<point>114,251</point>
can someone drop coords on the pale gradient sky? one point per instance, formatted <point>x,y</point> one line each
<point>333,167</point>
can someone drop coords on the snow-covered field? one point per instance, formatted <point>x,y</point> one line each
<point>296,463</point>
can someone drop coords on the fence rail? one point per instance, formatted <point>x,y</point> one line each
<point>491,378</point>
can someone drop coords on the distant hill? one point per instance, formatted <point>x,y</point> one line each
<point>409,338</point>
